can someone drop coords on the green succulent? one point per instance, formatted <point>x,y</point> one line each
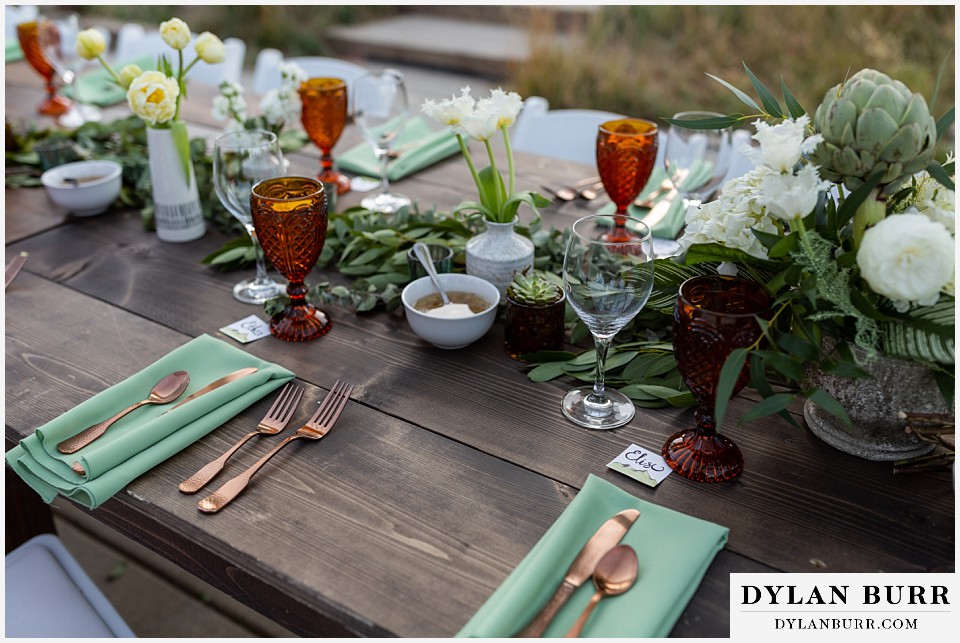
<point>533,289</point>
<point>873,123</point>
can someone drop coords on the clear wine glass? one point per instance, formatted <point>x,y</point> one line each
<point>697,160</point>
<point>381,110</point>
<point>57,36</point>
<point>242,159</point>
<point>607,283</point>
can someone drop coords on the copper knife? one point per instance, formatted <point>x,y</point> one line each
<point>606,538</point>
<point>226,379</point>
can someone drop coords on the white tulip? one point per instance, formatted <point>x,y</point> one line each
<point>907,258</point>
<point>782,145</point>
<point>451,111</point>
<point>482,123</point>
<point>792,196</point>
<point>506,104</point>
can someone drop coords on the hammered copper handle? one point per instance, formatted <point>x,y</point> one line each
<point>88,435</point>
<point>538,625</point>
<point>232,488</point>
<point>209,471</point>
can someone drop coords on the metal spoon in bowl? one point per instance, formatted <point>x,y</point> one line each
<point>448,309</point>
<point>615,573</point>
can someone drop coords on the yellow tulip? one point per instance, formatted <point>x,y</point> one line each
<point>175,33</point>
<point>153,97</point>
<point>129,73</point>
<point>209,48</point>
<point>90,44</point>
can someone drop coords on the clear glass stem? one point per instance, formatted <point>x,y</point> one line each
<point>383,157</point>
<point>261,279</point>
<point>599,395</point>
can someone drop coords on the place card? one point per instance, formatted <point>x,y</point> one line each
<point>247,329</point>
<point>641,465</point>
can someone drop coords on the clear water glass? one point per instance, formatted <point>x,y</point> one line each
<point>242,159</point>
<point>380,111</point>
<point>697,160</point>
<point>607,283</point>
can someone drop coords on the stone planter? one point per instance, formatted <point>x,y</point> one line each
<point>873,404</point>
<point>497,253</point>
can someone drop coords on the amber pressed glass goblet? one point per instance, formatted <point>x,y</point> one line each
<point>290,218</point>
<point>626,152</point>
<point>324,115</point>
<point>29,35</point>
<point>713,316</point>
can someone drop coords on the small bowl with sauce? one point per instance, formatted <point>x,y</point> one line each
<point>429,319</point>
<point>85,188</point>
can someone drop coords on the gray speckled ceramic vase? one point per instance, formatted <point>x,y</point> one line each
<point>497,253</point>
<point>873,404</point>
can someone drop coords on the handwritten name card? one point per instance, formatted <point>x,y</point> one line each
<point>641,465</point>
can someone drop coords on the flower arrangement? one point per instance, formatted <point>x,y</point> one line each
<point>849,222</point>
<point>481,120</point>
<point>278,106</point>
<point>155,95</point>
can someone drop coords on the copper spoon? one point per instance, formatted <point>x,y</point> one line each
<point>615,573</point>
<point>166,390</point>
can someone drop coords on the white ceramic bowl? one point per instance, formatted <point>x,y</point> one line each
<point>98,184</point>
<point>455,332</point>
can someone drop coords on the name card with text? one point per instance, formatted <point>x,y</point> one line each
<point>641,465</point>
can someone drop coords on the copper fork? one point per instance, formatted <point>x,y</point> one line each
<point>272,423</point>
<point>315,428</point>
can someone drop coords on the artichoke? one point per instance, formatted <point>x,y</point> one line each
<point>873,123</point>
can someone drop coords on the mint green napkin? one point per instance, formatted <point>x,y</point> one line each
<point>99,88</point>
<point>674,551</point>
<point>147,436</point>
<point>13,53</point>
<point>419,147</point>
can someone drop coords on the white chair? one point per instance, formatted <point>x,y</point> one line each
<point>14,15</point>
<point>133,42</point>
<point>266,71</point>
<point>48,595</point>
<point>568,134</point>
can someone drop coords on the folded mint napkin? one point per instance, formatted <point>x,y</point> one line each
<point>99,88</point>
<point>147,436</point>
<point>13,52</point>
<point>674,551</point>
<point>419,147</point>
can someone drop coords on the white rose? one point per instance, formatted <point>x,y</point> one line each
<point>451,111</point>
<point>209,48</point>
<point>782,145</point>
<point>153,97</point>
<point>907,258</point>
<point>90,44</point>
<point>789,196</point>
<point>175,33</point>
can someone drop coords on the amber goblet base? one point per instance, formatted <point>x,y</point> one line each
<point>332,177</point>
<point>702,456</point>
<point>300,323</point>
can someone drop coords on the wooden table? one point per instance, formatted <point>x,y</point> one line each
<point>447,468</point>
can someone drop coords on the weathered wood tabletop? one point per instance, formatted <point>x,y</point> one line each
<point>445,470</point>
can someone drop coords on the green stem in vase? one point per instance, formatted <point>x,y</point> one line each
<point>497,189</point>
<point>469,159</point>
<point>510,166</point>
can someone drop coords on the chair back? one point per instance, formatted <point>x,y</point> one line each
<point>568,134</point>
<point>266,71</point>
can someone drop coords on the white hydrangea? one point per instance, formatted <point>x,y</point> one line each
<point>730,219</point>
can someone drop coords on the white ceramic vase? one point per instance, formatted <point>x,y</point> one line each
<point>497,253</point>
<point>177,213</point>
